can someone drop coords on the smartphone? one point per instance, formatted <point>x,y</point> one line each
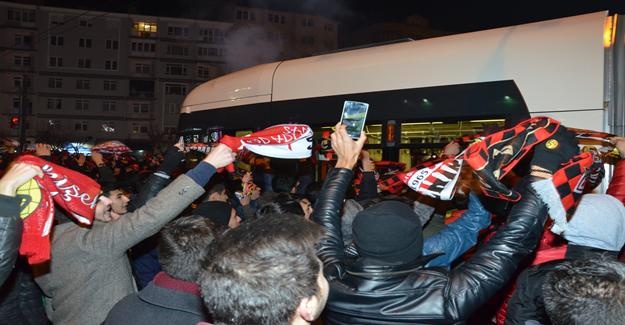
<point>354,116</point>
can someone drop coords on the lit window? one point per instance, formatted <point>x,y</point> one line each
<point>145,27</point>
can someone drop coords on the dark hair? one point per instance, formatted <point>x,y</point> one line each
<point>259,272</point>
<point>283,183</point>
<point>312,191</point>
<point>215,187</point>
<point>108,187</point>
<point>283,203</point>
<point>590,291</point>
<point>183,244</point>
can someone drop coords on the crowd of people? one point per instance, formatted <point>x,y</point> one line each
<point>172,243</point>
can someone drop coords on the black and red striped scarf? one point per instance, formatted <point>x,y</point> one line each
<point>495,156</point>
<point>491,159</point>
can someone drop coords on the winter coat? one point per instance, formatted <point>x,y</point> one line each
<point>369,293</point>
<point>10,234</point>
<point>89,269</point>
<point>163,301</point>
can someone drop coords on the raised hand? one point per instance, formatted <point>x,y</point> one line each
<point>42,150</point>
<point>97,157</point>
<point>346,149</point>
<point>619,143</point>
<point>220,156</point>
<point>367,163</point>
<point>16,175</point>
<point>180,144</point>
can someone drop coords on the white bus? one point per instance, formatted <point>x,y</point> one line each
<point>424,93</point>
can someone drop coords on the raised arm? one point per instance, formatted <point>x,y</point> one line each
<point>328,206</point>
<point>159,179</point>
<point>368,184</point>
<point>131,228</point>
<point>455,239</point>
<point>475,281</point>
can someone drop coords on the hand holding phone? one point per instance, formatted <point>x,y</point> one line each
<point>354,116</point>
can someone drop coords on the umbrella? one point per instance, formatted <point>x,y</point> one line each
<point>113,146</point>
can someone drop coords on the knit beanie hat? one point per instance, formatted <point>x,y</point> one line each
<point>389,231</point>
<point>598,222</point>
<point>217,211</point>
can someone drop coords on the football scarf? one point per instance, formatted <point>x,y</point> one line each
<point>389,180</point>
<point>597,143</point>
<point>495,156</point>
<point>74,192</point>
<point>491,159</point>
<point>287,141</point>
<point>434,179</point>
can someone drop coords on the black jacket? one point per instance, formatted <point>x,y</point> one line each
<point>527,302</point>
<point>10,234</point>
<point>164,301</point>
<point>366,292</point>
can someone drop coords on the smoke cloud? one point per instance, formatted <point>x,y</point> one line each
<point>247,46</point>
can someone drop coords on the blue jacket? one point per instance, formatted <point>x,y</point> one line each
<point>458,236</point>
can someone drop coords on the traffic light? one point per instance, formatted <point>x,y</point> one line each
<point>15,122</point>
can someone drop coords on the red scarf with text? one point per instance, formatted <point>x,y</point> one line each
<point>74,192</point>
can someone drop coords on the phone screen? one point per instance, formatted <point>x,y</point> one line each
<point>354,116</point>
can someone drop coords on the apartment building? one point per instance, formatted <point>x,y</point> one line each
<point>93,76</point>
<point>294,35</point>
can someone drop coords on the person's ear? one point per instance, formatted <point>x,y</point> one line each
<point>307,309</point>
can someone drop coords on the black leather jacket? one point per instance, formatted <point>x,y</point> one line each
<point>366,292</point>
<point>10,234</point>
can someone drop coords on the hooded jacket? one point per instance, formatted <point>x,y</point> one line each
<point>371,292</point>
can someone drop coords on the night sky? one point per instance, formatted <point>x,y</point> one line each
<point>451,16</point>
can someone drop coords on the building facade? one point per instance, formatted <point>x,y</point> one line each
<point>412,27</point>
<point>91,76</point>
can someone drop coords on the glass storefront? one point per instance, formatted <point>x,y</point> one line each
<point>421,141</point>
